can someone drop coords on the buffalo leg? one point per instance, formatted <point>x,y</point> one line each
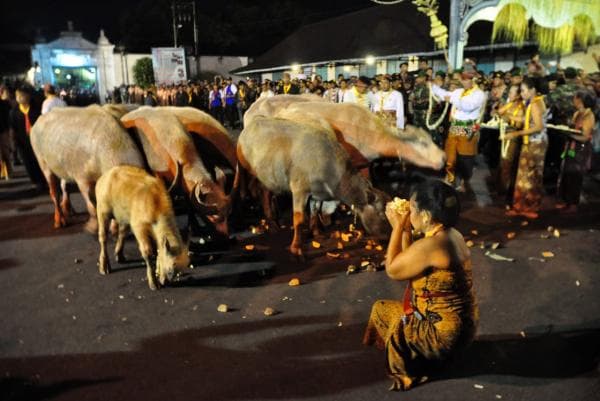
<point>103,220</point>
<point>65,201</point>
<point>122,231</point>
<point>85,188</point>
<point>314,224</point>
<point>299,202</point>
<point>269,208</point>
<point>142,234</point>
<point>59,218</point>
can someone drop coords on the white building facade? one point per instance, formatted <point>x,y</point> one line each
<point>71,61</point>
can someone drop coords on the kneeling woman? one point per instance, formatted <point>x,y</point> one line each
<point>438,315</point>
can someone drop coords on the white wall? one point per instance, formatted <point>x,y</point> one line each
<point>582,60</point>
<point>219,64</point>
<point>125,75</point>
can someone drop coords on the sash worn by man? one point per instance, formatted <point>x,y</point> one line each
<point>389,105</point>
<point>463,136</point>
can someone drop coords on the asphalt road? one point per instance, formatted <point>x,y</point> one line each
<point>68,333</point>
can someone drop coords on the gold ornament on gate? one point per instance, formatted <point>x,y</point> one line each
<point>439,31</point>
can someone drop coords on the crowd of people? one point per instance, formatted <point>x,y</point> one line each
<point>451,106</point>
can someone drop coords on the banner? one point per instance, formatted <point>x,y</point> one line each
<point>169,65</point>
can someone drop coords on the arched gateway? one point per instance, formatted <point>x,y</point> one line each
<point>74,62</point>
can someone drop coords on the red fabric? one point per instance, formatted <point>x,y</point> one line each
<point>27,123</point>
<point>408,308</point>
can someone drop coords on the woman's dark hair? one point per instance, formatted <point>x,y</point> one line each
<point>539,84</point>
<point>587,98</point>
<point>438,198</point>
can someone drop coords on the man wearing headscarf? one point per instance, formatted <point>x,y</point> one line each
<point>461,145</point>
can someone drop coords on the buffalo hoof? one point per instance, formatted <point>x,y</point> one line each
<point>296,254</point>
<point>153,283</point>
<point>104,266</point>
<point>92,226</point>
<point>61,222</point>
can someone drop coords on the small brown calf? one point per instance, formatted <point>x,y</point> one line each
<point>138,200</point>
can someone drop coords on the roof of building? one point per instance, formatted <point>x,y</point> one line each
<point>377,31</point>
<point>69,40</point>
<point>380,31</point>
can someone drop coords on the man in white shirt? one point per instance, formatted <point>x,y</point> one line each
<point>331,94</point>
<point>463,136</point>
<point>265,90</point>
<point>359,93</point>
<point>389,105</point>
<point>51,100</point>
<point>342,91</point>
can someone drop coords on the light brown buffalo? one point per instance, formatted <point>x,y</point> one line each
<point>360,131</point>
<point>364,136</point>
<point>167,145</point>
<point>308,161</point>
<point>269,106</point>
<point>80,144</point>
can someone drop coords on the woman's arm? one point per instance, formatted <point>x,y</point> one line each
<point>536,113</point>
<point>412,261</point>
<point>400,238</point>
<point>587,127</point>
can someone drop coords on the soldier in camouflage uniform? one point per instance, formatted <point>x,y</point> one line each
<point>419,99</point>
<point>560,101</point>
<point>560,105</point>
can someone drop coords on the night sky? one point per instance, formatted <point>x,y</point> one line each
<point>239,27</point>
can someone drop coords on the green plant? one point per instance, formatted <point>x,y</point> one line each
<point>143,74</point>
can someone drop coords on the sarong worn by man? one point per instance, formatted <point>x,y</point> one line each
<point>389,106</point>
<point>437,318</point>
<point>463,136</point>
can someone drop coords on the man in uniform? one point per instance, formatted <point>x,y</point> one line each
<point>389,105</point>
<point>463,136</point>
<point>419,99</point>
<point>560,103</point>
<point>560,100</point>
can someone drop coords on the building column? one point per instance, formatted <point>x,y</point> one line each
<point>381,67</point>
<point>105,60</point>
<point>331,72</point>
<point>455,49</point>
